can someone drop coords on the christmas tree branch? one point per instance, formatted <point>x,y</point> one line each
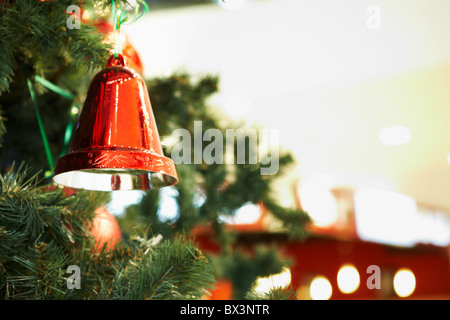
<point>35,39</point>
<point>170,270</point>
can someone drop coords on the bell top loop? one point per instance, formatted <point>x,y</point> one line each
<point>114,61</point>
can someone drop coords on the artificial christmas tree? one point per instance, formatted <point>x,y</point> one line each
<point>44,231</point>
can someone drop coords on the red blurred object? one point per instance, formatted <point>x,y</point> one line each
<point>105,229</point>
<point>116,144</point>
<point>223,290</point>
<point>128,51</point>
<point>327,249</point>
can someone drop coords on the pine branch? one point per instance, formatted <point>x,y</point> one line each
<point>243,269</point>
<point>170,270</point>
<point>278,293</point>
<point>40,272</point>
<point>35,39</point>
<point>294,221</point>
<point>38,236</point>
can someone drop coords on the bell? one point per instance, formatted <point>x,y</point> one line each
<point>116,143</point>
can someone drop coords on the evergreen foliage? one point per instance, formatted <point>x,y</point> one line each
<point>43,232</point>
<point>243,268</point>
<point>274,294</point>
<point>172,270</point>
<point>35,40</point>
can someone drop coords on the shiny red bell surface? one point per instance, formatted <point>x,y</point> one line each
<point>116,144</point>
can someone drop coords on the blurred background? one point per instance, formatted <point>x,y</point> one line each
<point>358,91</point>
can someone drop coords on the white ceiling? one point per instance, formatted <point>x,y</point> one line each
<point>314,71</point>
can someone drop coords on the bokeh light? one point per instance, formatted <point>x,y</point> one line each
<point>348,279</point>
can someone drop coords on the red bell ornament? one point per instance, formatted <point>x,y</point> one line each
<point>116,143</point>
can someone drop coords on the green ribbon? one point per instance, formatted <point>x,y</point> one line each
<point>42,130</point>
<point>49,85</point>
<point>120,17</point>
<point>67,137</point>
<point>66,94</point>
<point>69,129</point>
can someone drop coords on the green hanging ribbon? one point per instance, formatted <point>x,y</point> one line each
<point>41,129</point>
<point>66,94</point>
<point>69,129</point>
<point>120,17</point>
<point>67,137</point>
<point>51,86</point>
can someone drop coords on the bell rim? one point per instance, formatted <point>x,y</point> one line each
<point>135,180</point>
<point>132,161</point>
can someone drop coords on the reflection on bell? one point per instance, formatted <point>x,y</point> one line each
<point>116,144</point>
